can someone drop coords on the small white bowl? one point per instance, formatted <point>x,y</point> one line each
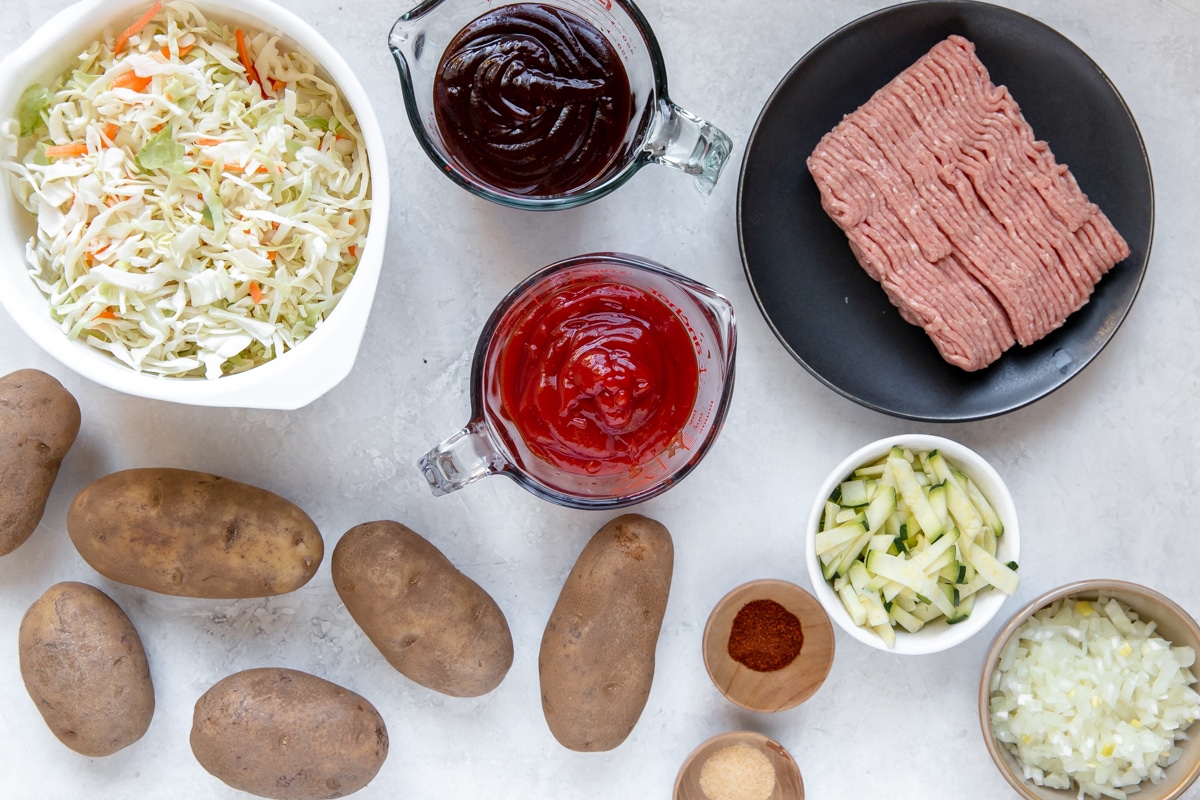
<point>290,381</point>
<point>938,635</point>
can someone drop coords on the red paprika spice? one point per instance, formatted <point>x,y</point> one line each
<point>765,636</point>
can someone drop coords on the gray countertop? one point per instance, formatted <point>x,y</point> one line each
<point>1102,471</point>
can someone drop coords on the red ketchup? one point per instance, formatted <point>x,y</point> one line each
<point>598,378</point>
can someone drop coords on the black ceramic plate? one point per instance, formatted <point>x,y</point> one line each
<point>827,311</point>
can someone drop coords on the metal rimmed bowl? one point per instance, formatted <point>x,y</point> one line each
<point>1172,622</point>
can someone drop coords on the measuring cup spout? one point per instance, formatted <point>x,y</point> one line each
<point>400,42</point>
<point>724,326</point>
<point>464,458</point>
<point>682,140</point>
<point>406,40</point>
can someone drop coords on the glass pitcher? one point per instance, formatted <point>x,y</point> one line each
<point>659,132</point>
<point>493,442</point>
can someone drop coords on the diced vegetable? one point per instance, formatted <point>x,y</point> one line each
<point>1002,577</point>
<point>853,494</point>
<point>882,506</point>
<point>909,539</point>
<point>915,497</point>
<point>1088,697</point>
<point>841,535</point>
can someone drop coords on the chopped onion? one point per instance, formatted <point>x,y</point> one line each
<point>1085,693</point>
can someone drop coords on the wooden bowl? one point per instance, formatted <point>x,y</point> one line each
<point>783,688</point>
<point>1173,624</point>
<point>788,783</point>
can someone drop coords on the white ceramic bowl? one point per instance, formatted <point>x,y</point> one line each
<point>934,636</point>
<point>295,378</point>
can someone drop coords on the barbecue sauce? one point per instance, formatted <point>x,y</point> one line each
<point>532,100</point>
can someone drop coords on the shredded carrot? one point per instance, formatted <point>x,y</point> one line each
<point>89,258</point>
<point>278,85</point>
<point>137,26</point>
<point>247,64</point>
<point>272,255</point>
<point>66,150</point>
<point>106,314</point>
<point>111,130</point>
<point>183,51</point>
<point>207,141</point>
<point>130,80</point>
<point>237,168</point>
<point>353,250</point>
<point>255,293</point>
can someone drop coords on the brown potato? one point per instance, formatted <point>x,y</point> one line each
<point>597,657</point>
<point>432,623</point>
<point>193,534</point>
<point>289,735</point>
<point>83,664</point>
<point>39,421</point>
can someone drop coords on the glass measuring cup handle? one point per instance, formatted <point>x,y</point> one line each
<point>681,140</point>
<point>464,458</point>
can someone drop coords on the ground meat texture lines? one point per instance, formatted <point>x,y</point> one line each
<point>973,229</point>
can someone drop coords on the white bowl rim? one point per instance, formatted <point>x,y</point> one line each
<point>937,636</point>
<point>294,379</point>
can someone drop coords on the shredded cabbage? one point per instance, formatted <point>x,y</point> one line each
<point>190,221</point>
<point>1085,692</point>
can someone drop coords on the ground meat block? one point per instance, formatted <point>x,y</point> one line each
<point>972,228</point>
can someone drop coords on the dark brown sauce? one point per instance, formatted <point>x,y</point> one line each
<point>532,100</point>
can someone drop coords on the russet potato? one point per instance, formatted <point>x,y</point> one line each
<point>85,669</point>
<point>431,622</point>
<point>288,735</point>
<point>193,534</point>
<point>39,421</point>
<point>596,663</point>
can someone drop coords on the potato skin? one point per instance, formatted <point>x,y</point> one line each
<point>597,657</point>
<point>39,421</point>
<point>432,623</point>
<point>84,666</point>
<point>192,534</point>
<point>287,734</point>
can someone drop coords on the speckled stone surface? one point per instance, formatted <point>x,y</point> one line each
<point>1103,471</point>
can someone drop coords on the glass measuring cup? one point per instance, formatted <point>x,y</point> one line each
<point>659,132</point>
<point>494,441</point>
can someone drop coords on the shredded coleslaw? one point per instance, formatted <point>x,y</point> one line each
<point>200,210</point>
